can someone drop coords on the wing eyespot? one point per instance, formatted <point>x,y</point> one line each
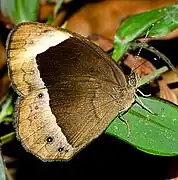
<point>91,70</point>
<point>40,95</point>
<point>61,149</point>
<point>31,42</point>
<point>36,107</point>
<point>66,150</point>
<point>49,139</point>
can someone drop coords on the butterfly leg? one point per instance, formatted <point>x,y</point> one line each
<point>138,100</point>
<point>126,123</point>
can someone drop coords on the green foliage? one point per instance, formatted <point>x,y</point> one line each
<point>153,133</point>
<point>161,21</point>
<point>20,10</point>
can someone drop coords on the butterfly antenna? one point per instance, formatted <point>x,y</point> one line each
<point>138,54</point>
<point>127,124</point>
<point>137,57</point>
<point>135,82</point>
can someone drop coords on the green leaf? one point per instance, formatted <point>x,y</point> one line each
<point>154,134</point>
<point>164,20</point>
<point>20,10</point>
<point>7,138</point>
<point>167,24</point>
<point>6,107</point>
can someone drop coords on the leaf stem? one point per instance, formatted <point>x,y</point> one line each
<point>146,79</point>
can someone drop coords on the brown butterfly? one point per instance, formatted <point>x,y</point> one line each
<point>70,89</point>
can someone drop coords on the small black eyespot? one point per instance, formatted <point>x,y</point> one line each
<point>66,150</point>
<point>49,139</point>
<point>40,95</point>
<point>31,42</point>
<point>61,149</point>
<point>36,107</point>
<point>91,70</point>
<point>46,30</point>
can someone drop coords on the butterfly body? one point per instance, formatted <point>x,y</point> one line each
<point>70,90</point>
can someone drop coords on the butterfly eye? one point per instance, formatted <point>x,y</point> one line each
<point>61,149</point>
<point>49,139</point>
<point>133,79</point>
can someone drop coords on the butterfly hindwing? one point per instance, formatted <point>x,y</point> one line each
<point>38,130</point>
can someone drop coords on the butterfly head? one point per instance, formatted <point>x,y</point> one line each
<point>133,80</point>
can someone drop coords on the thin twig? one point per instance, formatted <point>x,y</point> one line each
<point>155,74</point>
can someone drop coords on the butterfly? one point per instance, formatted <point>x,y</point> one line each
<point>69,89</point>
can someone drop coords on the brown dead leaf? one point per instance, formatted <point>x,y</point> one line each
<point>170,77</point>
<point>105,17</point>
<point>59,20</point>
<point>2,56</point>
<point>139,65</point>
<point>105,43</point>
<point>166,92</point>
<point>4,84</point>
<point>45,11</point>
<point>4,80</point>
<point>6,21</point>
